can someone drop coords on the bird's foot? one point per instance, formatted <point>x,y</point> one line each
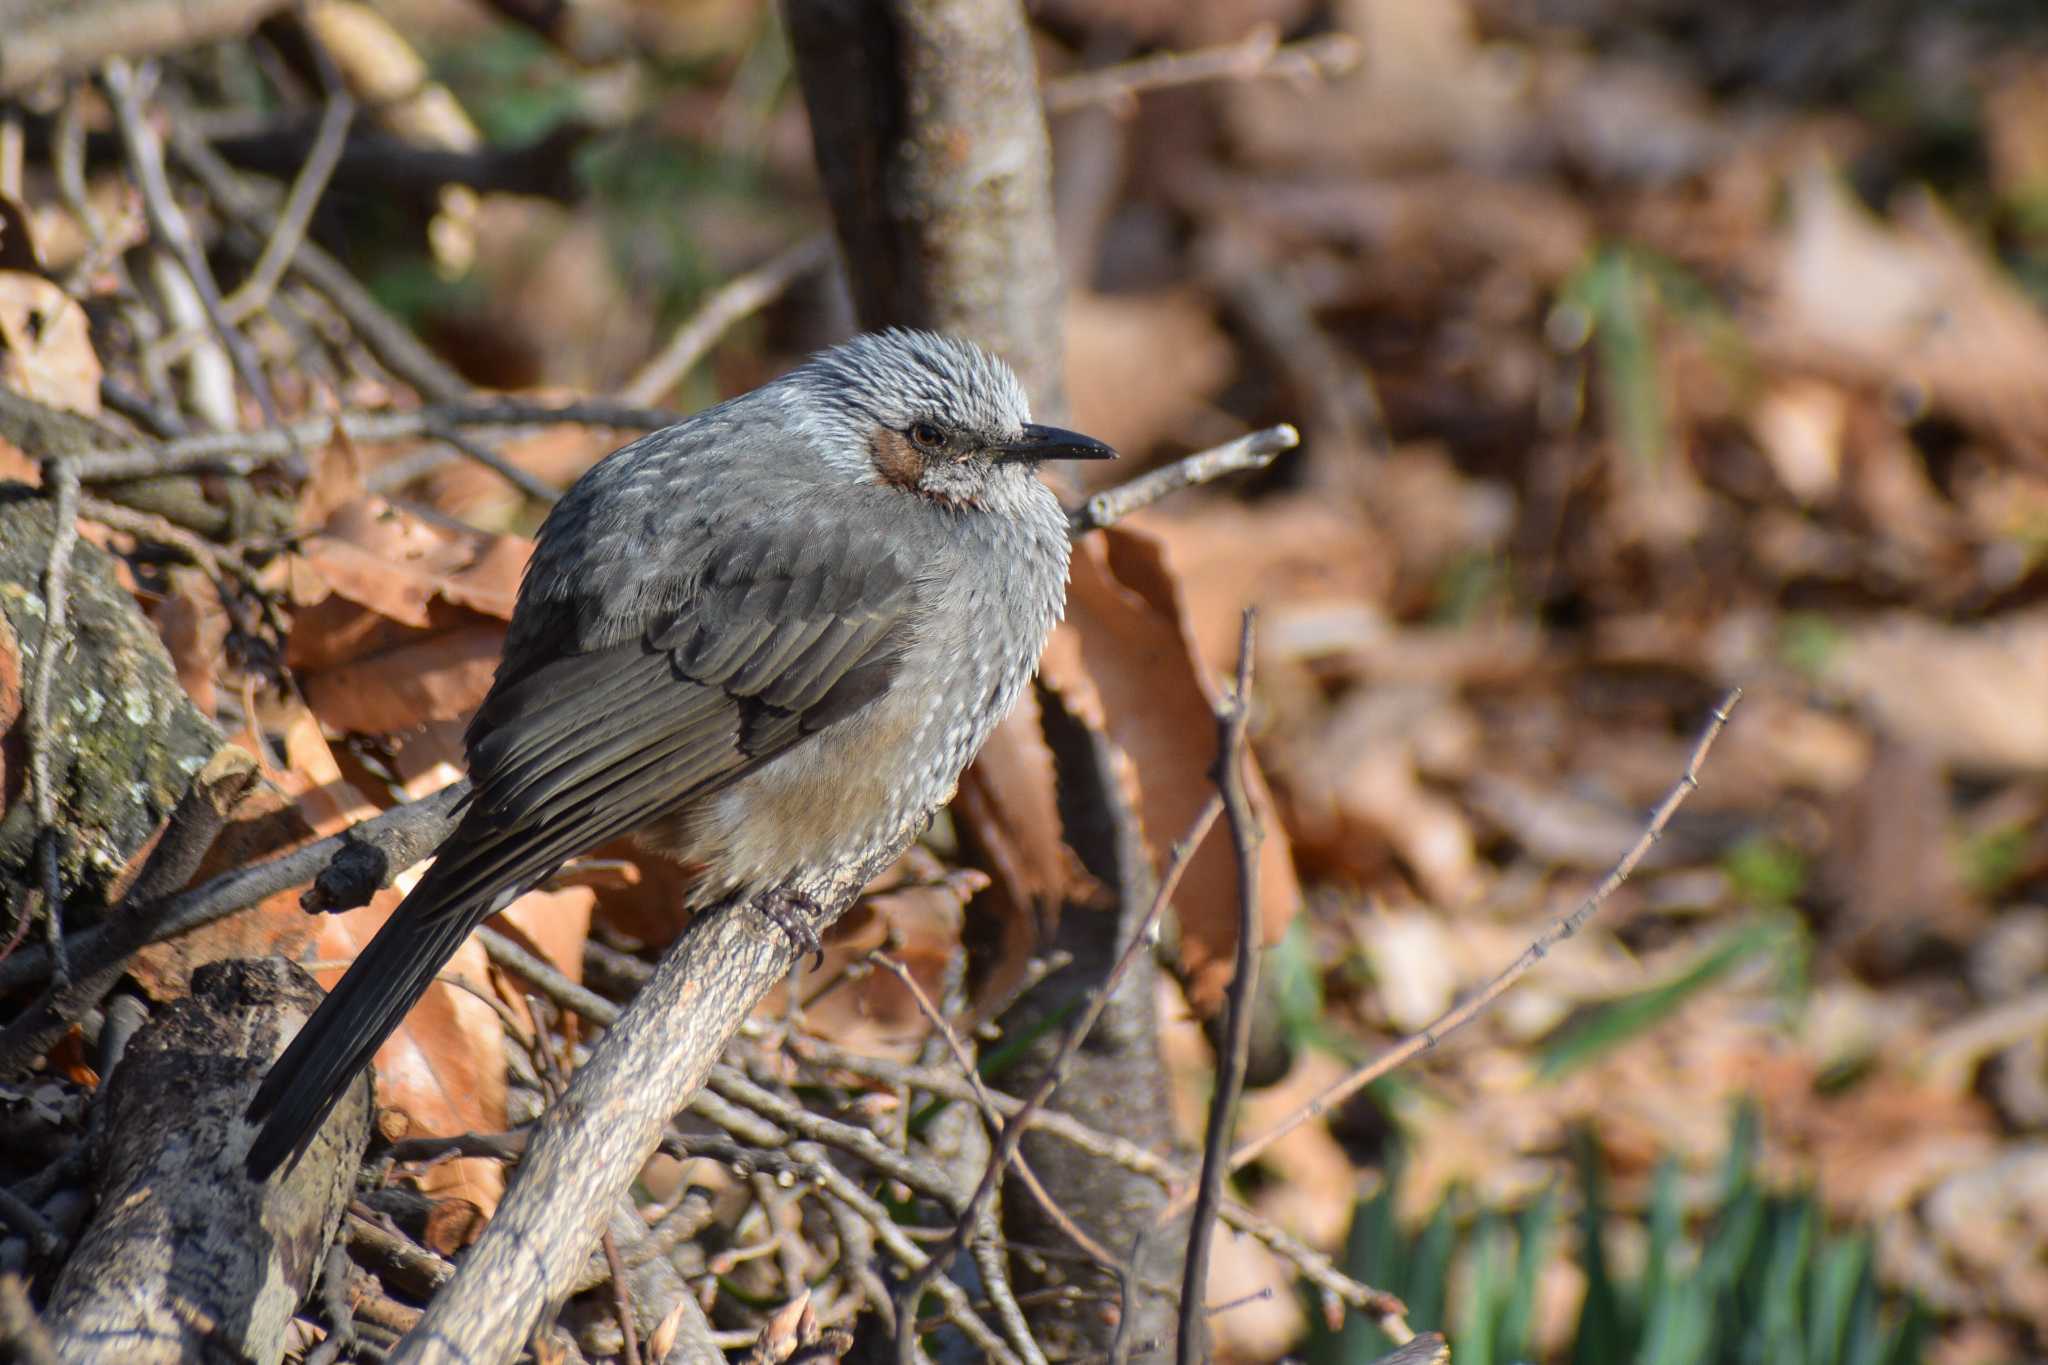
<point>792,912</point>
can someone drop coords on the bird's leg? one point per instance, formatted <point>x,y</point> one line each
<point>792,912</point>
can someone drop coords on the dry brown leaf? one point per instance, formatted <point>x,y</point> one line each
<point>1141,366</point>
<point>401,622</point>
<point>557,454</point>
<point>1007,812</point>
<point>1972,697</point>
<point>1915,303</point>
<point>1426,92</point>
<point>918,922</point>
<point>434,678</point>
<point>379,556</point>
<point>1124,662</point>
<point>194,628</point>
<point>46,344</point>
<point>1282,555</point>
<point>337,482</point>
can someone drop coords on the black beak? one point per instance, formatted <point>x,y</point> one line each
<point>1050,443</point>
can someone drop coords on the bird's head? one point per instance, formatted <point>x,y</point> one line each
<point>932,415</point>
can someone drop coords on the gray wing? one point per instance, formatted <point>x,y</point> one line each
<point>789,627</point>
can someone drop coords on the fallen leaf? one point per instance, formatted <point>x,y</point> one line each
<point>1974,697</point>
<point>46,344</point>
<point>379,556</point>
<point>428,678</point>
<point>1123,662</point>
<point>1141,366</point>
<point>1914,303</point>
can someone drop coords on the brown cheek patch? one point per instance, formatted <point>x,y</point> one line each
<point>895,460</point>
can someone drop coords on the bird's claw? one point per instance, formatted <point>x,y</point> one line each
<point>791,912</point>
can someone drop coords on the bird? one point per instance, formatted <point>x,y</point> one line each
<point>764,640</point>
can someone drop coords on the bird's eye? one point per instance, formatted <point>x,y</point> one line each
<point>926,435</point>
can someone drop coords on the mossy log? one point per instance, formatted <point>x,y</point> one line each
<point>125,742</point>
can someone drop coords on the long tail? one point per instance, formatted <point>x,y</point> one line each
<point>365,1007</point>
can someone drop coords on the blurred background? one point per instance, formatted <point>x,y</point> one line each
<point>1639,350</point>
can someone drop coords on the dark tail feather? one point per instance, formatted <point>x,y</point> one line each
<point>365,1007</point>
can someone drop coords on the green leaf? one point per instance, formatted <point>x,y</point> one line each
<point>1619,1021</point>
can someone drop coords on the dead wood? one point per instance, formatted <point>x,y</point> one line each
<point>186,1258</point>
<point>593,1141</point>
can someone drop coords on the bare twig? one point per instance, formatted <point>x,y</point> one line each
<point>622,1303</point>
<point>994,1115</point>
<point>62,476</point>
<point>1463,1013</point>
<point>167,221</point>
<point>738,298</point>
<point>1255,450</point>
<point>1258,54</point>
<point>1233,718</point>
<point>288,233</point>
<point>530,484</point>
<point>239,452</point>
<point>218,564</point>
<point>18,1214</point>
<point>1013,1131</point>
<point>415,1269</point>
<point>423,821</point>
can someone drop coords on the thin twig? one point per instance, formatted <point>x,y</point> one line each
<point>425,820</point>
<point>1014,1129</point>
<point>1233,723</point>
<point>1255,450</point>
<point>738,298</point>
<point>1458,1016</point>
<point>62,477</point>
<point>149,526</point>
<point>622,1302</point>
<point>167,221</point>
<point>387,338</point>
<point>289,232</point>
<point>994,1115</point>
<point>1258,54</point>
<point>240,452</point>
<point>528,483</point>
<point>18,1214</point>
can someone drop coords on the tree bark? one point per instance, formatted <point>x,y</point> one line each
<point>592,1142</point>
<point>187,1258</point>
<point>124,741</point>
<point>931,140</point>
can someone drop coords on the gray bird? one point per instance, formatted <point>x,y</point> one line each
<point>765,640</point>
